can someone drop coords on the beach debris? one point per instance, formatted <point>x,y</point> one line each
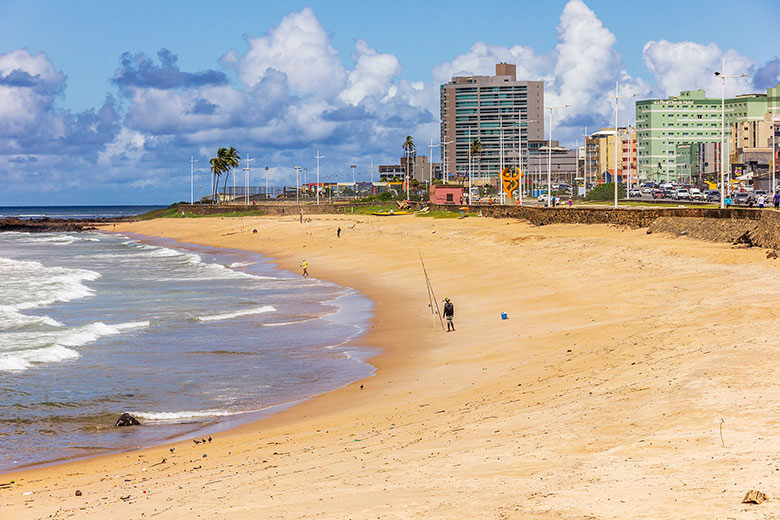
<point>127,420</point>
<point>771,253</point>
<point>203,441</point>
<point>171,450</point>
<point>204,455</point>
<point>26,493</point>
<point>754,497</point>
<point>6,485</point>
<point>254,231</point>
<point>78,492</point>
<point>504,316</point>
<point>125,498</point>
<point>196,441</point>
<point>209,438</point>
<point>361,387</point>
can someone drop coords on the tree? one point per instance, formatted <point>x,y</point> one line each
<point>476,149</point>
<point>217,167</point>
<point>230,159</point>
<point>410,150</point>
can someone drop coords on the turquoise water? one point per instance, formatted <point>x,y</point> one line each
<point>93,325</point>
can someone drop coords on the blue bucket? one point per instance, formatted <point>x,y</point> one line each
<point>504,316</point>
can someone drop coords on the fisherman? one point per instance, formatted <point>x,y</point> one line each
<point>449,313</point>
<point>338,232</point>
<point>305,266</point>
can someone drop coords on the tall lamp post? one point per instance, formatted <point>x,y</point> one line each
<point>615,171</point>
<point>318,157</point>
<point>549,155</point>
<point>266,182</point>
<point>723,77</point>
<point>193,160</point>
<point>246,179</point>
<point>297,183</point>
<point>354,185</point>
<point>520,152</point>
<point>775,120</point>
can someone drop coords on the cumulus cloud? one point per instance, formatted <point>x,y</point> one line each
<point>299,48</point>
<point>372,76</point>
<point>686,65</point>
<point>481,60</point>
<point>768,75</point>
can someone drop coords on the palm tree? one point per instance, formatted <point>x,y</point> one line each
<point>230,159</point>
<point>411,150</point>
<point>217,167</point>
<point>476,149</point>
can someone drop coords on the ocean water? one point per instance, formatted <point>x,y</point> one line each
<point>187,339</point>
<point>73,212</point>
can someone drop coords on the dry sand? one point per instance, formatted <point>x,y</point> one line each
<point>600,397</point>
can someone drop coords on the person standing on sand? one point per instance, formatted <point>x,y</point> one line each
<point>776,200</point>
<point>761,201</point>
<point>305,266</point>
<point>449,313</point>
<point>338,233</point>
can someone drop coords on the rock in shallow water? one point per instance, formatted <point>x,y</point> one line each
<point>127,420</point>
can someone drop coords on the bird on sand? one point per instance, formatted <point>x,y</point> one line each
<point>209,438</point>
<point>196,441</point>
<point>172,449</point>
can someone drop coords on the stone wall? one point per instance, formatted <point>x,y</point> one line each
<point>270,209</point>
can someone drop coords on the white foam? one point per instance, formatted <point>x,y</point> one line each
<point>245,312</point>
<point>180,417</point>
<point>239,264</point>
<point>282,323</point>
<point>26,284</point>
<point>11,319</point>
<point>52,347</point>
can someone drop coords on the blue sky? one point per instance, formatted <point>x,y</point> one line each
<point>104,102</point>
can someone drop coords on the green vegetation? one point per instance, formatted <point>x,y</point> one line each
<point>605,191</point>
<point>440,213</point>
<point>171,211</point>
<point>367,210</point>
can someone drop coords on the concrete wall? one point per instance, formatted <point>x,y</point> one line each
<point>269,209</point>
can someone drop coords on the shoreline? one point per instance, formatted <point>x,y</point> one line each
<point>601,395</point>
<point>226,423</point>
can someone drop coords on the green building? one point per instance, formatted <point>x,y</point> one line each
<point>666,126</point>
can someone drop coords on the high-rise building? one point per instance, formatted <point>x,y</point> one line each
<point>601,153</point>
<point>501,112</point>
<point>689,118</point>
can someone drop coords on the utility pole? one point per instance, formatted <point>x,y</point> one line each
<point>266,182</point>
<point>723,78</point>
<point>354,184</point>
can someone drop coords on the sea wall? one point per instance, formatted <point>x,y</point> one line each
<point>270,209</point>
<point>752,226</point>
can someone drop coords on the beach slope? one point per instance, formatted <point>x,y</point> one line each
<point>635,377</point>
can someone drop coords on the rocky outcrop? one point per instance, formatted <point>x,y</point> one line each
<point>44,225</point>
<point>127,420</point>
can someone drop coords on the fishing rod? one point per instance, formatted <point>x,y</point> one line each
<point>431,294</point>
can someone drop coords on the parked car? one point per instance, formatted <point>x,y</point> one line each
<point>742,198</point>
<point>682,194</point>
<point>634,192</point>
<point>711,195</point>
<point>757,193</point>
<point>696,194</point>
<point>647,190</point>
<point>658,193</point>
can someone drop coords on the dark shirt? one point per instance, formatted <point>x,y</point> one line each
<point>449,309</point>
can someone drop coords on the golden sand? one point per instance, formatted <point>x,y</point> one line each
<point>602,396</point>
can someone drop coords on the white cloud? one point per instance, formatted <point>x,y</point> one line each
<point>372,76</point>
<point>686,65</point>
<point>482,58</point>
<point>298,47</point>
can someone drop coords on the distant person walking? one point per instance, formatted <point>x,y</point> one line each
<point>761,201</point>
<point>776,200</point>
<point>305,266</point>
<point>449,313</point>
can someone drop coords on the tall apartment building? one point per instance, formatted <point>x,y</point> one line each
<point>689,118</point>
<point>500,111</point>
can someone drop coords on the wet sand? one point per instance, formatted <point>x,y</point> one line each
<point>602,395</point>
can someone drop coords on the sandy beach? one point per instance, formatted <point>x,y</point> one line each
<point>636,377</point>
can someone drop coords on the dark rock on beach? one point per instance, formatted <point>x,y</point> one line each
<point>127,420</point>
<point>44,225</point>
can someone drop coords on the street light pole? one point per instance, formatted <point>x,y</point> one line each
<point>246,179</point>
<point>297,183</point>
<point>193,160</point>
<point>615,172</point>
<point>723,78</point>
<point>549,156</point>
<point>354,185</point>
<point>318,157</point>
<point>266,182</point>
<point>520,152</point>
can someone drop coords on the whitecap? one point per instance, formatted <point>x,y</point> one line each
<point>181,417</point>
<point>235,314</point>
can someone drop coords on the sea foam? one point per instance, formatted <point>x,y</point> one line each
<point>236,314</point>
